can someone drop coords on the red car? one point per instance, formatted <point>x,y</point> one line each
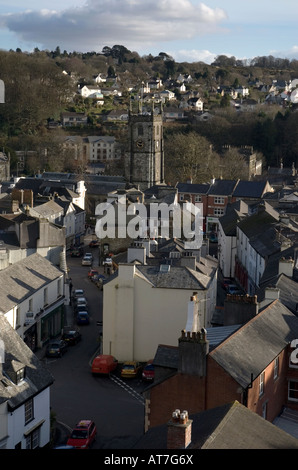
<point>92,272</point>
<point>148,372</point>
<point>83,435</point>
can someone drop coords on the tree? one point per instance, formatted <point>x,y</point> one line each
<point>189,155</point>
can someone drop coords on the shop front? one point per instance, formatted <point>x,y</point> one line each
<point>50,324</point>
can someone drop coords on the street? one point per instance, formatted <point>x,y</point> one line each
<point>116,409</point>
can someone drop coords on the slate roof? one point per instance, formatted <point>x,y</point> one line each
<point>231,426</point>
<point>193,188</point>
<point>222,187</point>
<point>25,277</point>
<point>168,356</point>
<point>47,209</point>
<point>250,189</point>
<point>178,277</point>
<point>260,228</point>
<point>37,376</point>
<point>269,332</point>
<point>234,213</point>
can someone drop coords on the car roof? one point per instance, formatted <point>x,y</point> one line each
<point>84,423</point>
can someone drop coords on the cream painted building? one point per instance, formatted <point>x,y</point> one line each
<point>145,305</point>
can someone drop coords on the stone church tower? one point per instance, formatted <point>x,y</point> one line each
<point>145,157</point>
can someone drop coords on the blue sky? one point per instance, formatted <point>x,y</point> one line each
<point>188,30</point>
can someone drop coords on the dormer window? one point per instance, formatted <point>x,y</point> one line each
<point>20,375</point>
<point>16,371</point>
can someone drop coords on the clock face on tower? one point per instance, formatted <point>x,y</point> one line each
<point>140,144</point>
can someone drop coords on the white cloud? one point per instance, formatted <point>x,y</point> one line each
<point>132,23</point>
<point>193,55</point>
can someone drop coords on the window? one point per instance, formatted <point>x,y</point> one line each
<point>198,198</point>
<point>218,212</point>
<point>29,411</point>
<point>59,287</point>
<point>276,368</point>
<point>293,390</point>
<point>32,441</point>
<point>219,200</point>
<point>20,375</point>
<point>45,296</point>
<point>140,130</point>
<point>261,383</point>
<point>17,317</point>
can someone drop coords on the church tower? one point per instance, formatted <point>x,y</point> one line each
<point>145,159</point>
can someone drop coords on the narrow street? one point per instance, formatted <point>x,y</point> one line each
<point>116,407</point>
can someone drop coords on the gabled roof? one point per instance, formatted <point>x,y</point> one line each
<point>48,208</point>
<point>222,187</point>
<point>24,278</point>
<point>234,213</point>
<point>37,376</point>
<point>250,189</point>
<point>230,426</point>
<point>193,188</point>
<point>255,345</point>
<point>260,228</point>
<point>178,277</point>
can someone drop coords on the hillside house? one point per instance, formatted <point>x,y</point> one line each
<point>69,119</point>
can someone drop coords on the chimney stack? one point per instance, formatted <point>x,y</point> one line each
<point>193,351</point>
<point>179,430</point>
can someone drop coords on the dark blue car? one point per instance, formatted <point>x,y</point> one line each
<point>83,318</point>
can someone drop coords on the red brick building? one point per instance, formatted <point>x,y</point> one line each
<point>252,365</point>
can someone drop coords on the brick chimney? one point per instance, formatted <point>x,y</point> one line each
<point>193,351</point>
<point>179,430</point>
<point>240,309</point>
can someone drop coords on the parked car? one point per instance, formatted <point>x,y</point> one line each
<point>130,369</point>
<point>78,293</point>
<point>83,435</point>
<point>104,364</point>
<point>108,262</point>
<point>148,372</point>
<point>92,272</point>
<point>97,277</point>
<point>77,252</point>
<point>227,282</point>
<point>56,348</point>
<point>233,289</point>
<point>83,317</point>
<point>94,243</point>
<point>81,308</point>
<point>72,337</point>
<point>81,302</point>
<point>87,260</point>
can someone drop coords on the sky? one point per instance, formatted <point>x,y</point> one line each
<point>187,30</point>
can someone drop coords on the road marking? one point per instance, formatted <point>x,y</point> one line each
<point>128,389</point>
